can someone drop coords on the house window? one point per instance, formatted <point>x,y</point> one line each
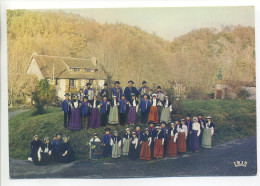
<point>71,82</point>
<point>75,69</point>
<point>56,82</point>
<point>89,70</point>
<point>91,81</point>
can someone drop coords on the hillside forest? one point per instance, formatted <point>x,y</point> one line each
<point>189,64</point>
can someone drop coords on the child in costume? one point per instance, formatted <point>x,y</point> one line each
<point>145,152</point>
<point>116,143</point>
<point>113,113</point>
<point>182,136</point>
<point>106,140</point>
<point>126,141</point>
<point>96,147</point>
<point>208,133</point>
<point>171,143</point>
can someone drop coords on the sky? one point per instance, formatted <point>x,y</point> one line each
<point>171,22</point>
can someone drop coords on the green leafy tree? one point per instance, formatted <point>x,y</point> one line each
<point>43,96</point>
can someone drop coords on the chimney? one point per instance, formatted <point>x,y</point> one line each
<point>94,61</point>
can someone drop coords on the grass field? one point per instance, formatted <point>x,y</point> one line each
<point>233,118</point>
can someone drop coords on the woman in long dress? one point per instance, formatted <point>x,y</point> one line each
<point>96,147</point>
<point>95,115</point>
<point>66,154</point>
<point>182,136</point>
<point>116,145</point>
<point>171,150</point>
<point>45,153</point>
<point>208,131</point>
<point>113,113</point>
<point>75,118</point>
<point>166,111</point>
<point>154,113</point>
<point>133,150</point>
<point>158,144</point>
<point>194,135</point>
<point>133,108</point>
<point>145,153</point>
<point>126,142</point>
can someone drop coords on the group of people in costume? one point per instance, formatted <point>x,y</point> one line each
<point>155,142</point>
<point>113,106</point>
<point>57,150</point>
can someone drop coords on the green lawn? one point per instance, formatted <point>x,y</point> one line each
<point>234,119</point>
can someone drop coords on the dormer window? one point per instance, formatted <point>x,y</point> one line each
<point>89,70</point>
<point>75,69</point>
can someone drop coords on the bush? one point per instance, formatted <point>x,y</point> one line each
<point>243,94</point>
<point>43,96</point>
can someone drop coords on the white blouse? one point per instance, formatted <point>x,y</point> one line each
<point>135,141</point>
<point>176,135</point>
<point>183,129</point>
<point>95,140</point>
<point>115,103</point>
<point>196,126</point>
<point>134,103</point>
<point>154,102</point>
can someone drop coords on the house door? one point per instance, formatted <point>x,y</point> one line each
<point>219,94</point>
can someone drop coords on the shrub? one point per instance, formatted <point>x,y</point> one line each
<point>43,96</point>
<point>243,94</point>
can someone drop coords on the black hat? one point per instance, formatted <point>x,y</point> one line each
<point>107,129</point>
<point>188,115</point>
<point>199,114</point>
<point>67,94</point>
<point>88,84</point>
<point>85,97</point>
<point>137,125</point>
<point>151,122</point>
<point>144,82</point>
<point>159,87</point>
<point>123,95</point>
<point>104,96</point>
<point>58,133</point>
<point>81,89</point>
<point>163,122</point>
<point>117,82</point>
<point>130,81</point>
<point>105,84</point>
<point>145,94</point>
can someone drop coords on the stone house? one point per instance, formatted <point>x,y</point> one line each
<point>227,89</point>
<point>66,73</point>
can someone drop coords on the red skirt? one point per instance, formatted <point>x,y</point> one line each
<point>154,114</point>
<point>145,153</point>
<point>171,148</point>
<point>158,149</point>
<point>181,142</point>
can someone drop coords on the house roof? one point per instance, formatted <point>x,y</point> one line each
<point>62,66</point>
<point>236,83</point>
